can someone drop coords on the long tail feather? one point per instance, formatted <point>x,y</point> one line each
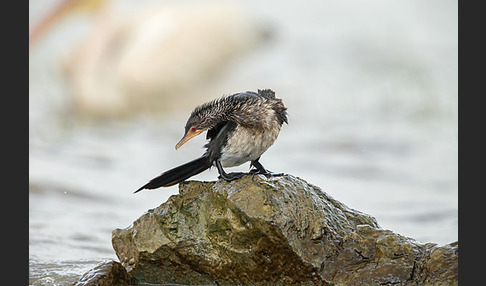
<point>178,174</point>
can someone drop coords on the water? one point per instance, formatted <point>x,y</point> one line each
<point>372,96</point>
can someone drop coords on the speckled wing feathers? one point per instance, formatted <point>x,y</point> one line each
<point>248,109</point>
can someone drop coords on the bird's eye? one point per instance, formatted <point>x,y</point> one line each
<point>193,128</point>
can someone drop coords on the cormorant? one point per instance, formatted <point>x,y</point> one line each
<point>240,127</point>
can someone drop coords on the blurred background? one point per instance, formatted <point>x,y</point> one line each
<point>371,89</point>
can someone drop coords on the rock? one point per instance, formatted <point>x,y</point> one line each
<point>273,231</point>
<point>107,273</point>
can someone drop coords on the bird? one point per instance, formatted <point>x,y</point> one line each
<point>240,128</point>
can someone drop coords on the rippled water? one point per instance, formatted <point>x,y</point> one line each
<point>372,96</point>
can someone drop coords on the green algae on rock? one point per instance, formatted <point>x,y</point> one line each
<point>272,231</point>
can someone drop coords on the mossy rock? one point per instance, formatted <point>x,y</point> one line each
<point>273,231</point>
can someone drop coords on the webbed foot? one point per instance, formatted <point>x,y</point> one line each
<point>231,176</point>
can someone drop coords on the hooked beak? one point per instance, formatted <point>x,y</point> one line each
<point>190,133</point>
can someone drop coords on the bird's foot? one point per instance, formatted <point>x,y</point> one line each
<point>231,176</point>
<point>266,173</point>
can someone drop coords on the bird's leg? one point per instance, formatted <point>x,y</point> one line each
<point>259,169</point>
<point>226,176</point>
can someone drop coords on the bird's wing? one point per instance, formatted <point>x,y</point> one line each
<point>219,139</point>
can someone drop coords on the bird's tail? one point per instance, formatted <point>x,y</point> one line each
<point>178,174</point>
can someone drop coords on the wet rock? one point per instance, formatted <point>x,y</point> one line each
<point>273,231</point>
<point>107,273</point>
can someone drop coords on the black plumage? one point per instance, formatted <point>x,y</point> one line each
<point>240,128</point>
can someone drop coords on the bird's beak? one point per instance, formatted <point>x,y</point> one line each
<point>190,133</point>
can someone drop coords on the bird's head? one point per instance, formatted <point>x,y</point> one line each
<point>199,121</point>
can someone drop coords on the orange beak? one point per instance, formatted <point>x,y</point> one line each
<point>190,134</point>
